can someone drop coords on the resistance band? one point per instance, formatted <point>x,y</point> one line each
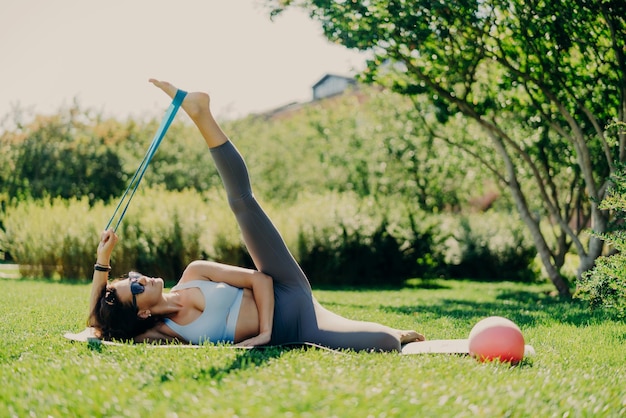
<point>156,141</point>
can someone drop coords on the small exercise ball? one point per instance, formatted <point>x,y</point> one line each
<point>496,338</point>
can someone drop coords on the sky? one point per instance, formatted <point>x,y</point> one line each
<point>101,54</point>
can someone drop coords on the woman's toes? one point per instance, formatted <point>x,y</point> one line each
<point>168,88</point>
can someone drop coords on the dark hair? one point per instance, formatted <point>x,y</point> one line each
<point>116,320</point>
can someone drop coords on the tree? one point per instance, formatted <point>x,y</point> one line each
<point>541,79</point>
<point>60,156</point>
<point>365,142</point>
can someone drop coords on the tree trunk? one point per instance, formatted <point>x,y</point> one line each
<point>596,245</point>
<point>543,250</point>
<point>553,274</point>
<point>533,225</point>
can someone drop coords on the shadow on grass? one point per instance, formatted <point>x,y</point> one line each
<point>424,284</point>
<point>525,308</point>
<point>257,356</point>
<point>246,359</point>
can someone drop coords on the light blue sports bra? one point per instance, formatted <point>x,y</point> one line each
<point>219,318</point>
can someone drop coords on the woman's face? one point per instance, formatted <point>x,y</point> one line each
<point>140,291</point>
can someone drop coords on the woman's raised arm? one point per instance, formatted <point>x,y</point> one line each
<point>108,239</point>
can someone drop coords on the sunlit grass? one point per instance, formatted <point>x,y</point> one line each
<point>579,368</point>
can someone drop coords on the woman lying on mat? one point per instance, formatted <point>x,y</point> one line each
<point>221,303</point>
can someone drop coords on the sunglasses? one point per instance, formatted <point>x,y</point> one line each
<point>135,287</point>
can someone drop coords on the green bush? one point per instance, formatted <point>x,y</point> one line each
<point>348,256</point>
<point>338,238</point>
<point>491,246</point>
<point>343,239</point>
<point>58,238</point>
<point>60,156</point>
<point>51,237</point>
<point>604,286</point>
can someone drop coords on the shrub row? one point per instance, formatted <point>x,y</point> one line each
<point>58,238</point>
<point>493,246</point>
<point>339,239</point>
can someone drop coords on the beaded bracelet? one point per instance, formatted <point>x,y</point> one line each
<point>100,267</point>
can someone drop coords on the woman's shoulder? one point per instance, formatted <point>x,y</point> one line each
<point>194,273</point>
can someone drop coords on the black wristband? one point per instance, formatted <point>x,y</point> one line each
<point>100,267</point>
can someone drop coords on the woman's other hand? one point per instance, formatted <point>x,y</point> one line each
<point>261,339</point>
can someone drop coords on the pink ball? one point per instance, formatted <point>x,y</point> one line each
<point>496,338</point>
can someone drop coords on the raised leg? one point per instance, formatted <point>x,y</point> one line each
<point>197,106</point>
<point>299,315</point>
<point>264,242</point>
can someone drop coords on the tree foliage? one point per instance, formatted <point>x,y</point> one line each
<point>60,156</point>
<point>355,178</point>
<point>541,79</point>
<point>366,142</point>
<point>76,153</point>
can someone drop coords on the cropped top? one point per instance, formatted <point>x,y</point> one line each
<point>218,320</point>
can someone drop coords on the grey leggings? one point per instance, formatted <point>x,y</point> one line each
<point>298,317</point>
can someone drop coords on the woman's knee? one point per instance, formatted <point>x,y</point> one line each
<point>242,204</point>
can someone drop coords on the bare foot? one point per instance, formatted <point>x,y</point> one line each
<point>410,336</point>
<point>194,104</point>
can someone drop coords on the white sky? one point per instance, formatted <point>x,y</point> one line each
<point>102,53</point>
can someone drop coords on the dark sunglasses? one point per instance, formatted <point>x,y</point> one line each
<point>135,287</point>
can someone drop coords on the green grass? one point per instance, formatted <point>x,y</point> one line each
<point>579,368</point>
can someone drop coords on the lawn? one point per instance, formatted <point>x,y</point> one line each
<point>579,368</point>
